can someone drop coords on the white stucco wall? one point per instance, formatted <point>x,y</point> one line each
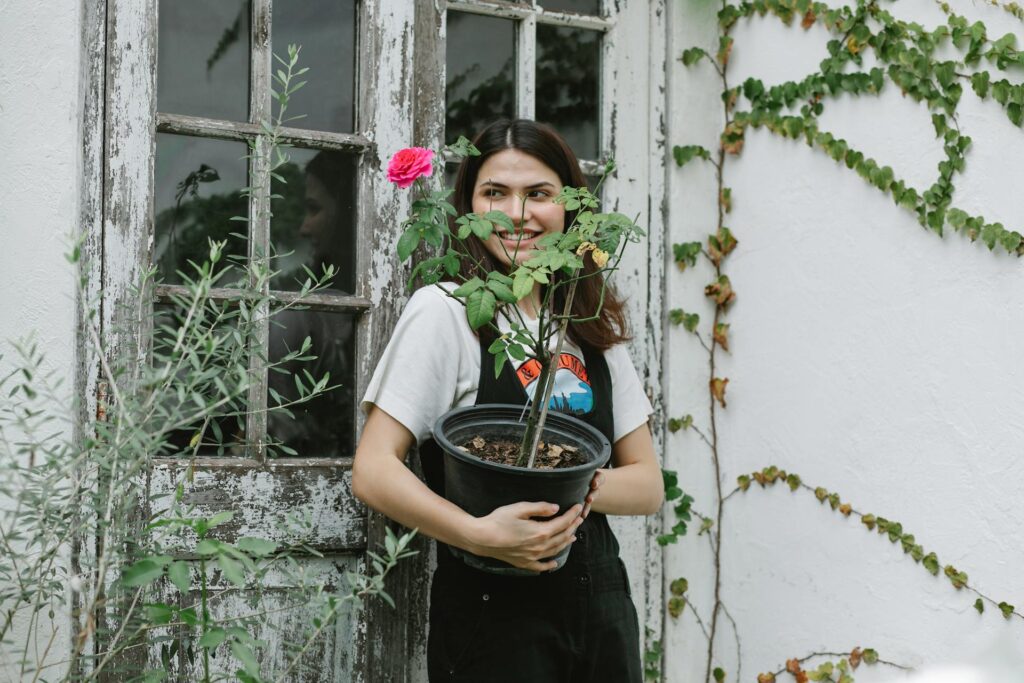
<point>40,139</point>
<point>868,355</point>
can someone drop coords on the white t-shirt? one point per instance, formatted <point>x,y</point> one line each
<point>432,364</point>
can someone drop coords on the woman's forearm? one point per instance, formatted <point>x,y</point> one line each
<point>389,487</point>
<point>634,489</point>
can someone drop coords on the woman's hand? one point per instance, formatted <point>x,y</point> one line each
<point>595,484</point>
<point>509,534</point>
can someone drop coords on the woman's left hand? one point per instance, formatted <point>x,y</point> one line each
<point>595,485</point>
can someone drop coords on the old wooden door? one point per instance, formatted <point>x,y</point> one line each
<point>186,89</point>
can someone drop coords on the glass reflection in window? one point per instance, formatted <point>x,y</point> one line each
<point>223,434</point>
<point>322,426</point>
<point>326,32</point>
<point>568,85</point>
<point>203,58</point>
<point>198,191</point>
<point>480,85</point>
<point>314,221</point>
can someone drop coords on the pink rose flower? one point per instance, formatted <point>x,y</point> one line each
<point>409,164</point>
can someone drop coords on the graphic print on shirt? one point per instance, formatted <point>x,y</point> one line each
<point>572,392</point>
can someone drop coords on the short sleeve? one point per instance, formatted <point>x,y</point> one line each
<point>630,404</point>
<point>423,371</point>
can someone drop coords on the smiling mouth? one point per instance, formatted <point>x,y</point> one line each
<point>519,238</point>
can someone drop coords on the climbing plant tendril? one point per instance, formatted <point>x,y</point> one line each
<point>905,57</point>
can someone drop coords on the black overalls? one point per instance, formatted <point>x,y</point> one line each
<point>574,625</point>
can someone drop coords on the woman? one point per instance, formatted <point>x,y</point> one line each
<point>574,624</point>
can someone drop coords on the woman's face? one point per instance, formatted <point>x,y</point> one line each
<point>522,187</point>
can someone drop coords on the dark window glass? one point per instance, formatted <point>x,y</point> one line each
<point>326,32</point>
<point>219,376</point>
<point>314,221</point>
<point>203,58</point>
<point>578,6</point>
<point>568,85</point>
<point>480,85</point>
<point>198,191</point>
<point>322,426</point>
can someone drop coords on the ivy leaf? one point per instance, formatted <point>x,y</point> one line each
<point>689,321</point>
<point>732,138</point>
<point>679,586</point>
<point>980,606</point>
<point>717,385</point>
<point>1007,609</point>
<point>686,254</point>
<point>721,291</point>
<point>721,335</point>
<point>725,199</point>
<point>793,480</point>
<point>980,83</point>
<point>693,55</point>
<point>684,154</point>
<point>677,423</point>
<point>855,657</point>
<point>743,481</point>
<point>766,678</point>
<point>868,520</point>
<point>724,49</point>
<point>676,605</point>
<point>480,307</point>
<point>718,674</point>
<point>870,656</point>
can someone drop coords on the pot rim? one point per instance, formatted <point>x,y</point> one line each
<point>604,446</point>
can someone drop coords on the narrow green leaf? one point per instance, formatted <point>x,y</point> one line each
<point>178,573</point>
<point>142,573</point>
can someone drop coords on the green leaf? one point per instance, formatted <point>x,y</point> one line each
<point>522,283</point>
<point>142,573</point>
<point>178,573</point>
<point>480,307</point>
<point>258,547</point>
<point>500,218</point>
<point>679,586</point>
<point>693,55</point>
<point>407,243</point>
<point>245,655</point>
<point>153,676</point>
<point>686,254</point>
<point>213,638</point>
<point>686,153</point>
<point>159,613</point>
<point>870,656</point>
<point>232,569</point>
<point>980,606</point>
<point>499,362</point>
<point>220,518</point>
<point>208,547</point>
<point>931,563</point>
<point>502,291</point>
<point>1007,609</point>
<point>468,288</point>
<point>718,674</point>
<point>980,83</point>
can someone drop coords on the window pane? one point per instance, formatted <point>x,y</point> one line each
<point>322,426</point>
<point>578,6</point>
<point>203,58</point>
<point>198,190</point>
<point>218,377</point>
<point>314,221</point>
<point>568,85</point>
<point>326,32</point>
<point>480,68</point>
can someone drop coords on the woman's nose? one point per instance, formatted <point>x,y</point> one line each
<point>520,210</point>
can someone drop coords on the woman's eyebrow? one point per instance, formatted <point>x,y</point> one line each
<point>502,186</point>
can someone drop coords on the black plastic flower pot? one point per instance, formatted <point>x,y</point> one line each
<point>479,486</point>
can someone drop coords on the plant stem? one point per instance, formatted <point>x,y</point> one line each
<point>551,368</point>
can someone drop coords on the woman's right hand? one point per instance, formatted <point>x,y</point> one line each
<point>509,534</point>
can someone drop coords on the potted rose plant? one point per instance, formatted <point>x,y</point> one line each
<point>499,454</point>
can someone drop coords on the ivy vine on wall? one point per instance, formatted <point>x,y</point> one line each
<point>907,57</point>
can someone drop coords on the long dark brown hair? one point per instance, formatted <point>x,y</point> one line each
<point>544,144</point>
